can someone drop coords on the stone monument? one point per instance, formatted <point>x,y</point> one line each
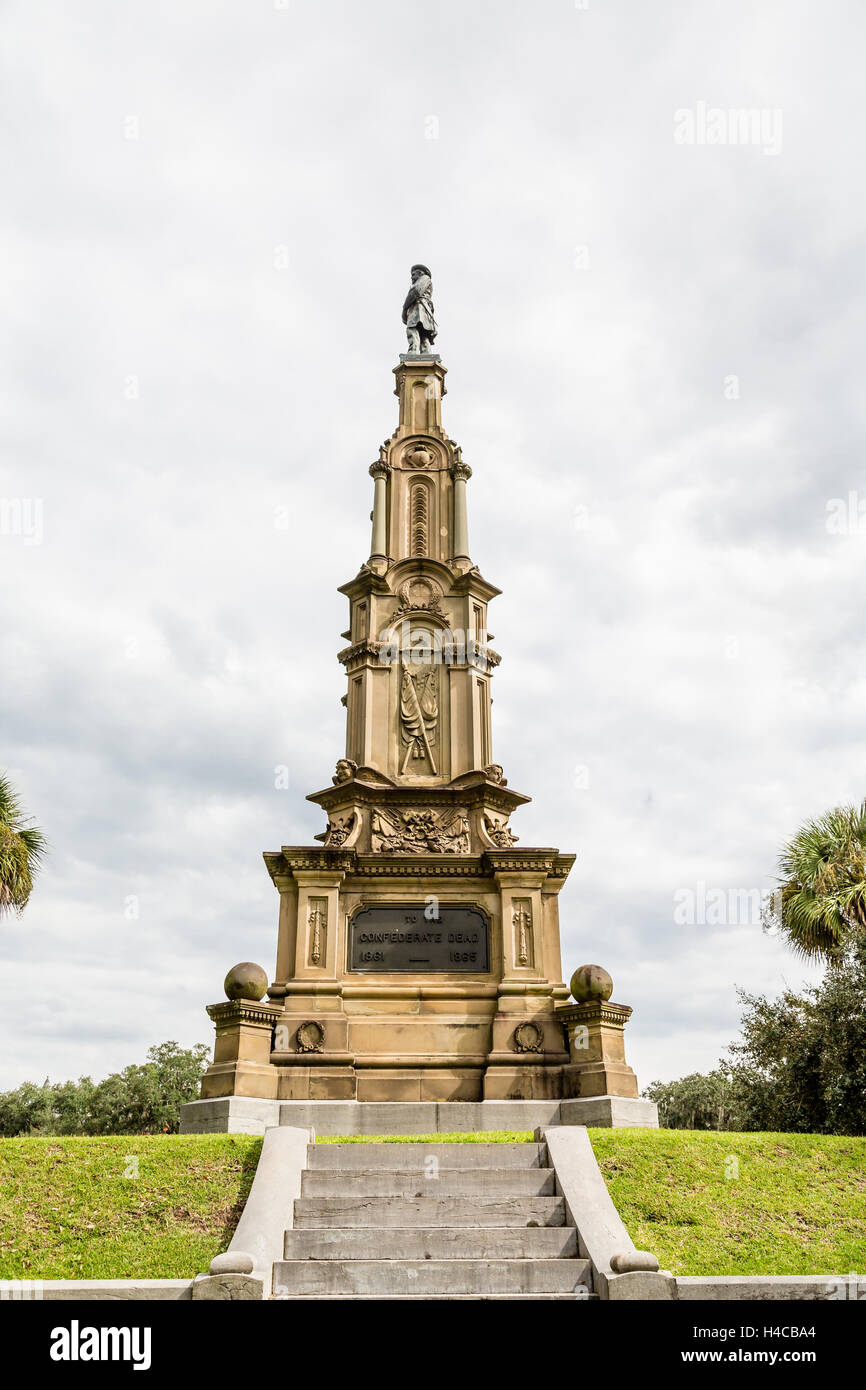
<point>418,952</point>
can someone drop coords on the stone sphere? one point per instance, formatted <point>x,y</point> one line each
<point>590,982</point>
<point>246,981</point>
<point>231,1262</point>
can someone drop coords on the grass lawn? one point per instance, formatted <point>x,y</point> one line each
<point>131,1206</point>
<point>709,1203</point>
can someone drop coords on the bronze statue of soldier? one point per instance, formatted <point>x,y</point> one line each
<point>418,313</point>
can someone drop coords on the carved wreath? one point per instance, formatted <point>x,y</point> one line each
<point>528,1037</point>
<point>419,593</point>
<point>310,1037</point>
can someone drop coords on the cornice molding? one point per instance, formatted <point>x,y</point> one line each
<point>594,1011</point>
<point>365,650</point>
<point>244,1011</point>
<point>552,866</point>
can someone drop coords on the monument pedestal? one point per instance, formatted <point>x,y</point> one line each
<point>417,978</point>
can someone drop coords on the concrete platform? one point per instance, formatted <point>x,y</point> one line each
<point>248,1115</point>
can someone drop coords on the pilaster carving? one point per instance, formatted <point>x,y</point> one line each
<point>317,922</point>
<point>521,917</point>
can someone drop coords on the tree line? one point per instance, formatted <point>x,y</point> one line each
<point>799,1064</point>
<point>143,1099</point>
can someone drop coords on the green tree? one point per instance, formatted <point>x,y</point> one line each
<point>22,847</point>
<point>27,1110</point>
<point>821,899</point>
<point>144,1099</point>
<point>801,1062</point>
<point>695,1102</point>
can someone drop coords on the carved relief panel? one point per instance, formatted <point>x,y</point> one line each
<point>317,927</point>
<point>419,718</point>
<point>421,513</point>
<point>419,708</point>
<point>521,921</point>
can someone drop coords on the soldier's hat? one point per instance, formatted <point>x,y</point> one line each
<point>423,269</point>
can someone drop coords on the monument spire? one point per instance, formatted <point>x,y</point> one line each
<point>419,667</point>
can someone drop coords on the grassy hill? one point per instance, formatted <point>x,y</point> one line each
<point>161,1206</point>
<point>709,1203</point>
<point>121,1207</point>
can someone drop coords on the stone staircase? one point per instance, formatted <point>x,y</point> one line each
<point>432,1221</point>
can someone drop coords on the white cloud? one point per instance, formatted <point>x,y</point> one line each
<point>698,645</point>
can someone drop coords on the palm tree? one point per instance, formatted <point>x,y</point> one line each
<point>820,904</point>
<point>22,847</point>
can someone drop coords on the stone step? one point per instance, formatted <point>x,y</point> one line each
<point>356,1211</point>
<point>486,1243</point>
<point>480,1182</point>
<point>411,1158</point>
<point>581,1294</point>
<point>422,1277</point>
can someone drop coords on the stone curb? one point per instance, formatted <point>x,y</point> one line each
<point>269,1212</point>
<point>619,1271</point>
<point>762,1288</point>
<point>85,1290</point>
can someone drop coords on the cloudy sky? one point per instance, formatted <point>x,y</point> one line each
<point>653,316</point>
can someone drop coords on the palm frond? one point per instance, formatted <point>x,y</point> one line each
<point>822,892</point>
<point>22,848</point>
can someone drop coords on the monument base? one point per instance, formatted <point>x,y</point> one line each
<point>248,1115</point>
